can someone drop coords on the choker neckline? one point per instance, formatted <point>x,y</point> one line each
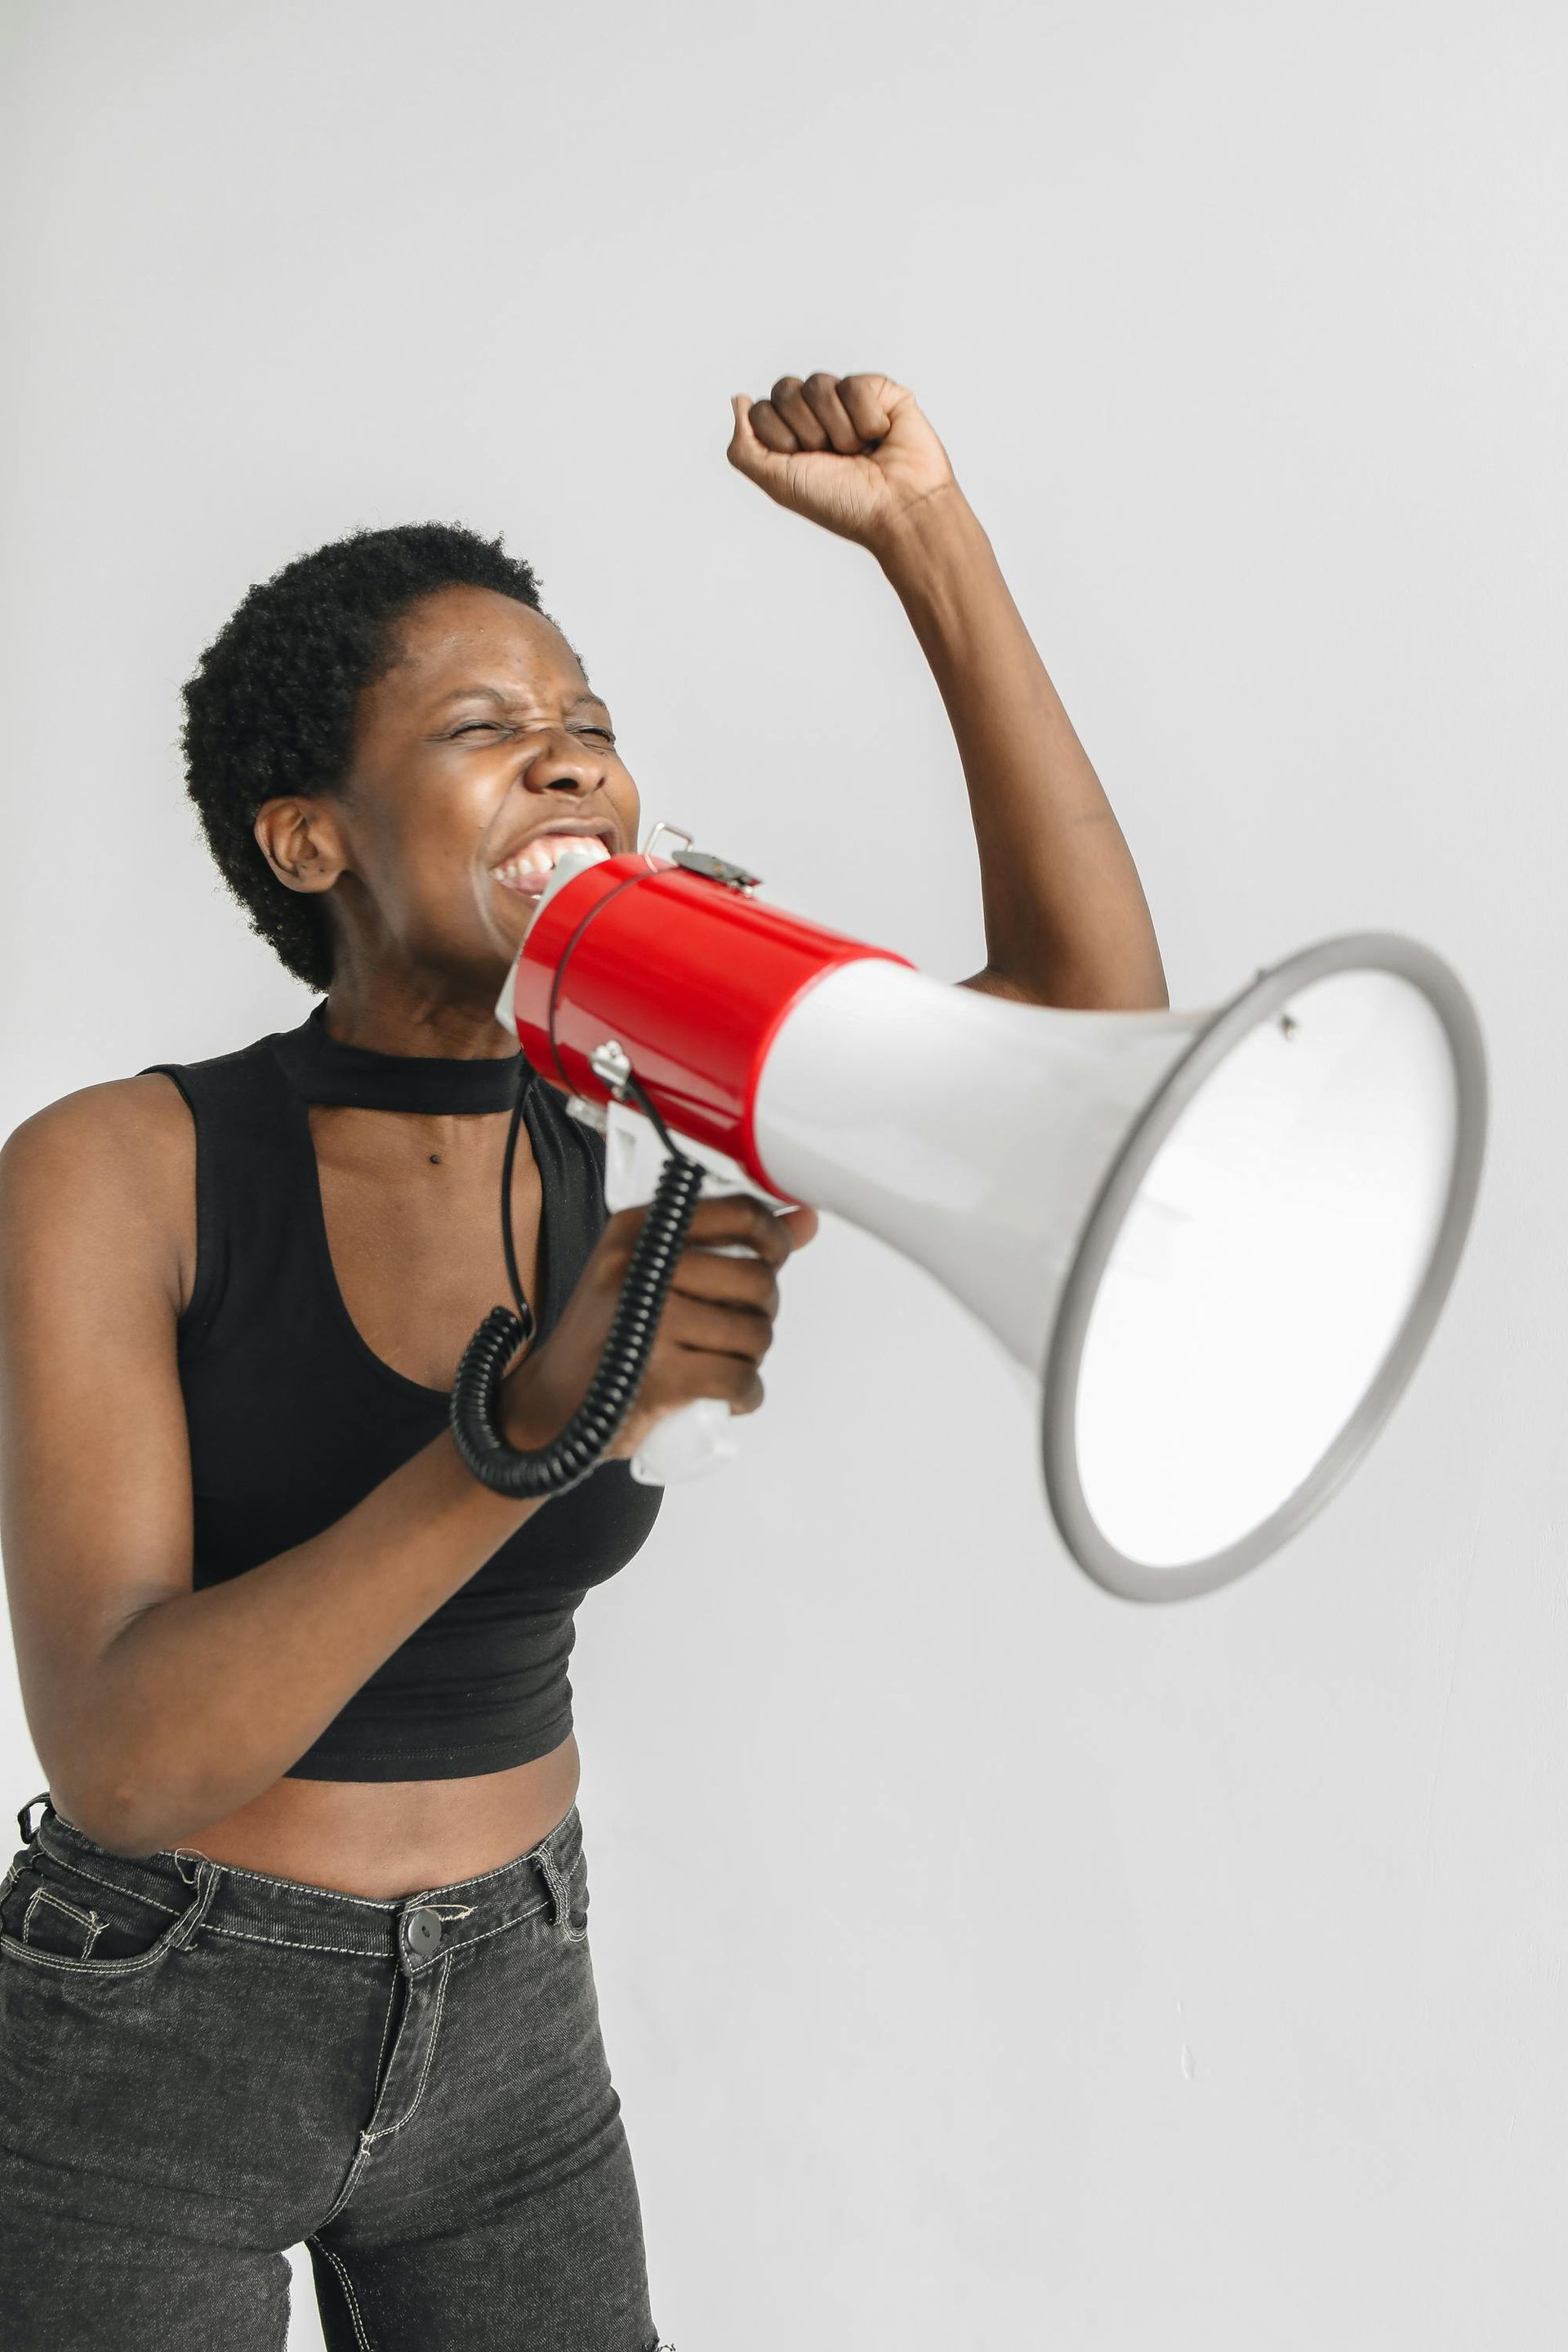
<point>322,1068</point>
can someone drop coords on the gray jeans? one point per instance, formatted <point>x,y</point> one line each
<point>200,2066</point>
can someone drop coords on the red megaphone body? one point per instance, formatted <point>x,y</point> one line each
<point>690,975</point>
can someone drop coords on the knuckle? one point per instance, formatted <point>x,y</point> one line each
<point>749,1334</point>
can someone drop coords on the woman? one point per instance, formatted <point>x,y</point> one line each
<point>296,1948</point>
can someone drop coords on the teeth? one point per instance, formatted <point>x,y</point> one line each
<point>541,854</point>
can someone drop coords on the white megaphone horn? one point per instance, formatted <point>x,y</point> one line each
<point>1213,1244</point>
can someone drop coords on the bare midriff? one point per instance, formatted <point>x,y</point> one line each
<point>390,1838</point>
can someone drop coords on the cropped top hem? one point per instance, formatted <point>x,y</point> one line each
<point>456,1760</point>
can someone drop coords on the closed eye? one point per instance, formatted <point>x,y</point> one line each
<point>492,725</point>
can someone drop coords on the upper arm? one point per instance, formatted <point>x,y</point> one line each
<point>96,1217</point>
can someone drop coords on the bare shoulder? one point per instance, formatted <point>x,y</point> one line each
<point>122,1153</point>
<point>144,1120</point>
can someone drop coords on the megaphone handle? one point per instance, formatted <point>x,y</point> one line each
<point>695,1440</point>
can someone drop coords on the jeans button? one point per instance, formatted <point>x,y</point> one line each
<point>422,1933</point>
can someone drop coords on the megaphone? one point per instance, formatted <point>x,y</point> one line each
<point>1213,1245</point>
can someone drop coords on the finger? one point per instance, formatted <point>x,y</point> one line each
<point>720,1220</point>
<point>712,1329</point>
<point>789,403</point>
<point>748,453</point>
<point>727,1281</point>
<point>742,1217</point>
<point>864,405</point>
<point>822,391</point>
<point>739,1383</point>
<point>770,429</point>
<point>726,1218</point>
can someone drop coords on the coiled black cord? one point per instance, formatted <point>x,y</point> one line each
<point>571,1456</point>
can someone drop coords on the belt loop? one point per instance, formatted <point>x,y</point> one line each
<point>206,1880</point>
<point>29,1835</point>
<point>191,1877</point>
<point>560,1892</point>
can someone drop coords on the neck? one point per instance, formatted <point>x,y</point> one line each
<point>395,1016</point>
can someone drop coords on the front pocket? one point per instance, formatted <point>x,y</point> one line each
<point>57,1917</point>
<point>51,1924</point>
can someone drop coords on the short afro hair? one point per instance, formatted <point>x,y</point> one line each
<point>270,708</point>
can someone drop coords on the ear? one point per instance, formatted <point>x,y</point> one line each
<point>301,843</point>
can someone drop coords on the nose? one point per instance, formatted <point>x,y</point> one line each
<point>567,768</point>
<point>566,759</point>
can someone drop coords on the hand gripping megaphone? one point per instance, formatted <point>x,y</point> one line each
<point>1213,1245</point>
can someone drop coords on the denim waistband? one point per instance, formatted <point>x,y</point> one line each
<point>226,1900</point>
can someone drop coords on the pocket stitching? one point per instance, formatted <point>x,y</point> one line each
<point>176,1934</point>
<point>80,1870</point>
<point>89,1920</point>
<point>41,1959</point>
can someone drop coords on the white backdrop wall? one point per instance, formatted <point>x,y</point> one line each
<point>983,1962</point>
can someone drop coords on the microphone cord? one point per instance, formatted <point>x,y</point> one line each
<point>575,1450</point>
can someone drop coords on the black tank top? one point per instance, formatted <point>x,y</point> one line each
<point>294,1419</point>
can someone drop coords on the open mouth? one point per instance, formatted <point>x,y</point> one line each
<point>527,874</point>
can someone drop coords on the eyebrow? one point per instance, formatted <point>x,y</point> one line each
<point>493,694</point>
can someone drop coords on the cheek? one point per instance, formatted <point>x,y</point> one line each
<point>425,878</point>
<point>629,810</point>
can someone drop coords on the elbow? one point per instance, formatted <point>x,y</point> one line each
<point>125,1813</point>
<point>129,1776</point>
<point>139,1821</point>
<point>103,1816</point>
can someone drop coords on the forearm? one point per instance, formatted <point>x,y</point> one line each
<point>204,1700</point>
<point>1064,912</point>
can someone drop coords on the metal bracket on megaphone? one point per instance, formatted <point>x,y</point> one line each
<point>697,1439</point>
